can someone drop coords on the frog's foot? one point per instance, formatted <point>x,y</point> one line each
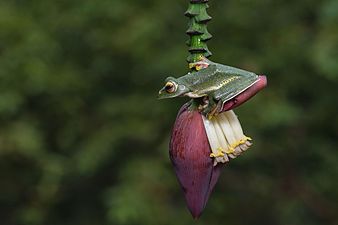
<point>208,111</point>
<point>201,64</point>
<point>214,111</point>
<point>205,103</point>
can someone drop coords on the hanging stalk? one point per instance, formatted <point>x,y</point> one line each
<point>197,30</point>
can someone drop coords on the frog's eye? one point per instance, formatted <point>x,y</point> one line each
<point>170,87</point>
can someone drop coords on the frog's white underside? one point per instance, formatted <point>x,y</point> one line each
<point>194,95</point>
<point>226,137</point>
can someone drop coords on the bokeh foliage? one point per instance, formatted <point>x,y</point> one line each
<point>83,140</point>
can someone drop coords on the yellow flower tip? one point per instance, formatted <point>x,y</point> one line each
<point>213,155</point>
<point>240,142</point>
<point>218,154</point>
<point>230,150</point>
<point>236,144</point>
<point>248,138</point>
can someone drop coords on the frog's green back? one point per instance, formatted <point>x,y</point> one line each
<point>217,77</point>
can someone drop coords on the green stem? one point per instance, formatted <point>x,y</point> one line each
<point>197,30</point>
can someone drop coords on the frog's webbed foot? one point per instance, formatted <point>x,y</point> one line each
<point>212,109</point>
<point>209,108</point>
<point>206,106</point>
<point>201,64</point>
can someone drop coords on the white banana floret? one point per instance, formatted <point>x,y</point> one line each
<point>226,137</point>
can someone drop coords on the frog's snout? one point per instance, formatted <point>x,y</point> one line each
<point>162,94</point>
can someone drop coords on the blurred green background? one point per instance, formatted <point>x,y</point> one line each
<point>84,141</point>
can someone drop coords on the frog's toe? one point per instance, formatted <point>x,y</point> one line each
<point>218,107</point>
<point>212,113</point>
<point>214,110</point>
<point>202,64</point>
<point>207,112</point>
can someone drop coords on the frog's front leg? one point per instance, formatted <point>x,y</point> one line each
<point>211,108</point>
<point>203,104</point>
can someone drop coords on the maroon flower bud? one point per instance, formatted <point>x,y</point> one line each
<point>189,151</point>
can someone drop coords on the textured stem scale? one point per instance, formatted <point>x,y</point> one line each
<point>197,30</point>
